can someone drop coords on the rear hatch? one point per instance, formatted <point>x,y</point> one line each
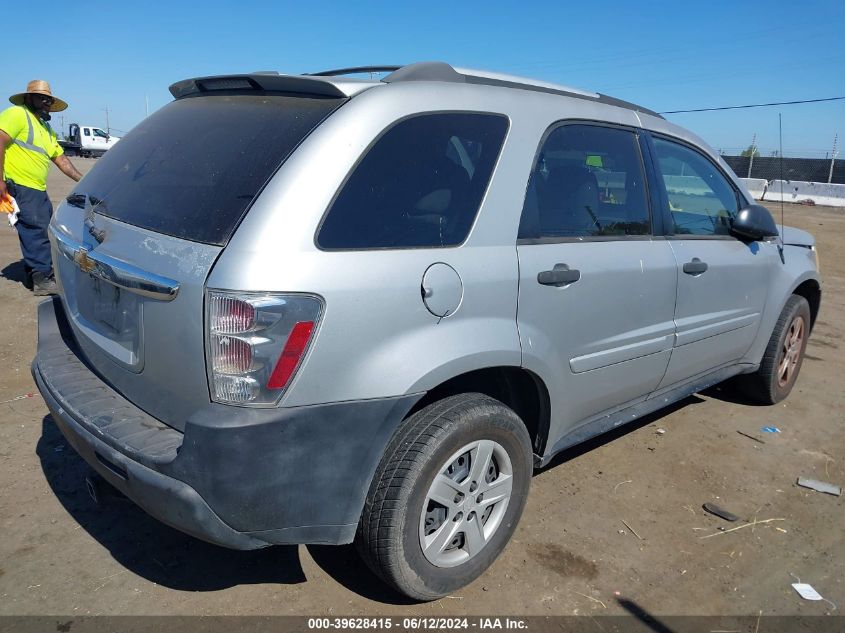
<point>134,242</point>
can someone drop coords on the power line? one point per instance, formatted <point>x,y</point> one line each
<point>755,105</point>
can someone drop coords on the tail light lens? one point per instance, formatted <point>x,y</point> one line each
<point>231,315</point>
<point>255,342</point>
<point>230,355</point>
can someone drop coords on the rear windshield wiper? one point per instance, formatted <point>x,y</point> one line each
<point>79,200</point>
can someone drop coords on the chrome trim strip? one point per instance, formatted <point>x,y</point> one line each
<point>116,272</point>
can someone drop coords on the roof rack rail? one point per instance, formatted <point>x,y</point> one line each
<point>426,71</point>
<point>419,71</point>
<point>354,70</point>
<point>515,81</point>
<point>440,71</point>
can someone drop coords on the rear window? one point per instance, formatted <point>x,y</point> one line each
<point>191,169</point>
<point>420,184</point>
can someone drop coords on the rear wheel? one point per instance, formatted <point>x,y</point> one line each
<point>784,354</point>
<point>447,496</point>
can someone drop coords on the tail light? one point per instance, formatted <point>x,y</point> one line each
<point>255,342</point>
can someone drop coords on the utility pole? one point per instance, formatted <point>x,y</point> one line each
<point>62,119</point>
<point>753,149</point>
<point>146,105</point>
<point>108,130</point>
<point>832,159</point>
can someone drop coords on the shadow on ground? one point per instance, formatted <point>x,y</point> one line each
<point>610,436</point>
<point>175,560</point>
<point>732,391</point>
<point>149,548</point>
<point>344,565</point>
<point>647,619</point>
<point>15,272</point>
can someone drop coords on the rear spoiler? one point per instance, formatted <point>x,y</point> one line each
<point>262,82</point>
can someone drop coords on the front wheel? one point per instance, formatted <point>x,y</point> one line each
<point>784,354</point>
<point>447,496</point>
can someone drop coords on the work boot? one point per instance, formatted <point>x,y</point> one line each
<point>27,277</point>
<point>43,284</point>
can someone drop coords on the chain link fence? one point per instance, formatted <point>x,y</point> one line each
<point>799,169</point>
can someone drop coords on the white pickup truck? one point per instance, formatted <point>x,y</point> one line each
<point>87,140</point>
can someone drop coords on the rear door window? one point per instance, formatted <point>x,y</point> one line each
<point>193,168</point>
<point>587,181</point>
<point>420,184</point>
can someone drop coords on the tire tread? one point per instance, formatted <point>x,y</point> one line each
<point>405,455</point>
<point>762,384</point>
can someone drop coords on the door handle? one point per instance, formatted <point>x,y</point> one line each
<point>560,275</point>
<point>695,267</point>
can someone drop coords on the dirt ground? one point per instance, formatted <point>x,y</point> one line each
<point>60,554</point>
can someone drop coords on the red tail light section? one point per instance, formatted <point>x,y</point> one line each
<point>291,355</point>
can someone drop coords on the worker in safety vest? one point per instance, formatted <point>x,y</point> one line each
<point>27,145</point>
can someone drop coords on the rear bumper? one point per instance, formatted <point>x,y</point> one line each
<point>238,477</point>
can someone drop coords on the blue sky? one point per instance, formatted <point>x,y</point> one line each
<point>663,55</point>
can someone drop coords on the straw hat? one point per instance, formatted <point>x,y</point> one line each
<point>39,87</point>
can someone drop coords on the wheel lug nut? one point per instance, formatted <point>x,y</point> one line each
<point>479,499</point>
<point>459,497</point>
<point>470,516</point>
<point>473,486</point>
<point>459,516</point>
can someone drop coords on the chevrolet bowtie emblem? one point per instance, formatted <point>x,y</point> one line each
<point>85,263</point>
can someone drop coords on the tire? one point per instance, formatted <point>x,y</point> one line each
<point>444,440</point>
<point>784,354</point>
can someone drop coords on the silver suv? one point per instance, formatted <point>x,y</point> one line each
<point>321,309</point>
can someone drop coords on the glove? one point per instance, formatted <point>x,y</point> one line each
<point>10,207</point>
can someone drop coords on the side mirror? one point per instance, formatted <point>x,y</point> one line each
<point>754,222</point>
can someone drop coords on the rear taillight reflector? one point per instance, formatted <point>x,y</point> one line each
<point>291,355</point>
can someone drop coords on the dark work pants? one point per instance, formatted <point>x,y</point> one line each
<point>36,211</point>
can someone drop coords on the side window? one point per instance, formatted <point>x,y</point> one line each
<point>419,185</point>
<point>86,131</point>
<point>701,200</point>
<point>587,181</point>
